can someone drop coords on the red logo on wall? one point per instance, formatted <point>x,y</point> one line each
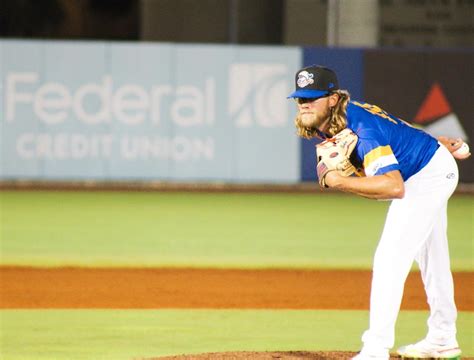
<point>436,116</point>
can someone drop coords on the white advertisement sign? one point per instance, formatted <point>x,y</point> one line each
<point>81,110</point>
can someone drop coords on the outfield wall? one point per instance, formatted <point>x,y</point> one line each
<point>112,111</point>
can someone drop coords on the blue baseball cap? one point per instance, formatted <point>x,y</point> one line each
<point>314,81</point>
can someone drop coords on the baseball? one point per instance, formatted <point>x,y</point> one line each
<point>463,150</point>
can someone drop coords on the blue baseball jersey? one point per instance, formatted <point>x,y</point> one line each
<point>387,143</point>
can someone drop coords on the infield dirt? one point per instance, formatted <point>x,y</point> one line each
<point>25,288</point>
<point>90,288</point>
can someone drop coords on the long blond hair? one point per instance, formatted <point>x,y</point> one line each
<point>337,118</point>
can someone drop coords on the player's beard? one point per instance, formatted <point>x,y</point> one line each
<point>315,120</point>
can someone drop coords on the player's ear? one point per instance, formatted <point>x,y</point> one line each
<point>333,99</point>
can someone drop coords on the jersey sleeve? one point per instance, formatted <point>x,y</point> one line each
<point>376,155</point>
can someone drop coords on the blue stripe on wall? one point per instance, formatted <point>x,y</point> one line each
<point>348,64</point>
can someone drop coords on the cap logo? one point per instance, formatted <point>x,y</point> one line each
<point>305,79</point>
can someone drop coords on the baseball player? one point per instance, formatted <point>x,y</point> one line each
<point>390,160</point>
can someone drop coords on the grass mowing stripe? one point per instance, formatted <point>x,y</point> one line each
<point>204,230</point>
<point>127,334</point>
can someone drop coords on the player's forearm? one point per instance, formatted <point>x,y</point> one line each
<point>387,186</point>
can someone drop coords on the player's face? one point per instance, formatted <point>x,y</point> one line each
<point>314,112</point>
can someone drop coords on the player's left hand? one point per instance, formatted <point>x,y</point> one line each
<point>452,145</point>
<point>332,178</point>
<point>333,155</point>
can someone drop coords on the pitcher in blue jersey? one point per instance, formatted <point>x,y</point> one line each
<point>418,173</point>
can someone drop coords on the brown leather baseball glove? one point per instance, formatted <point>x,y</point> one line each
<point>333,155</point>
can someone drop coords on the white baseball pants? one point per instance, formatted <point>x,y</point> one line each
<point>415,229</point>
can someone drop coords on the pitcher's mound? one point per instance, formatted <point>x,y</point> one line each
<point>283,355</point>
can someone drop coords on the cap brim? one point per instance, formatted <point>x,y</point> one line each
<point>307,93</point>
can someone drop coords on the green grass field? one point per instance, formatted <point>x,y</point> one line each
<point>134,334</point>
<point>218,230</point>
<point>201,230</point>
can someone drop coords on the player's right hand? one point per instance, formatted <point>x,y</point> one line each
<point>452,145</point>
